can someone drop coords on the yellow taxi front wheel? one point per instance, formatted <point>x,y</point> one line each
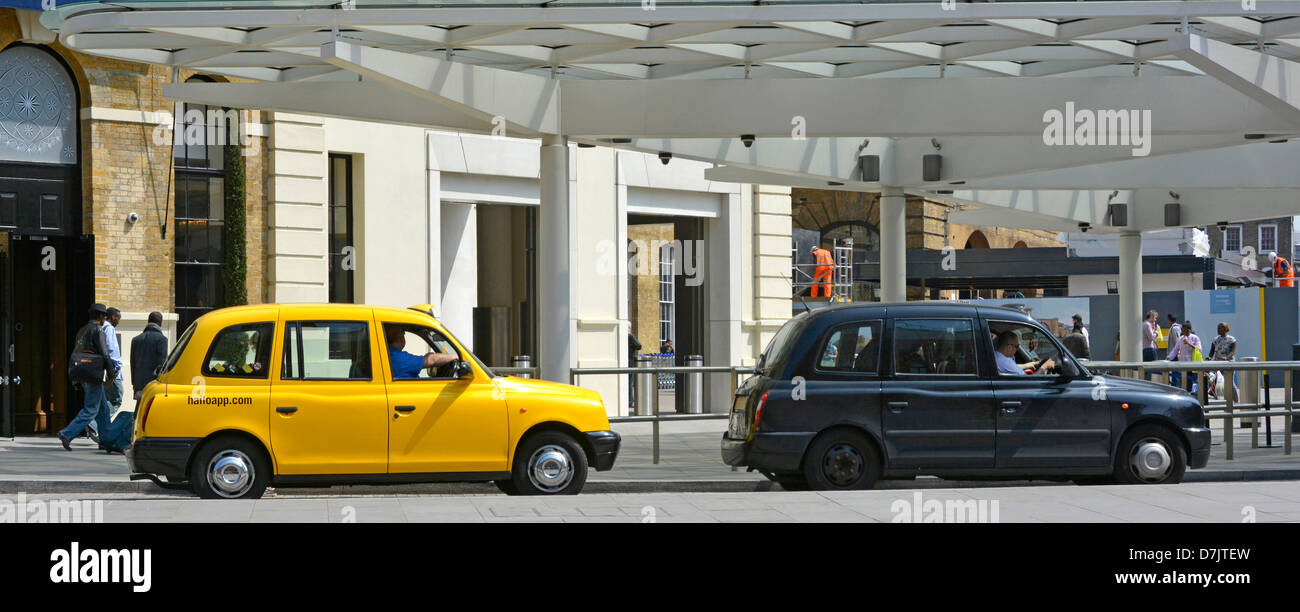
<point>547,463</point>
<point>230,467</point>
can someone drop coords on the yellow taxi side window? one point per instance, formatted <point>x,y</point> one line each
<point>326,350</point>
<point>240,351</point>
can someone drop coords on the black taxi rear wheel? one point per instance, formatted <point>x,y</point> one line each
<point>1150,454</point>
<point>230,467</point>
<point>548,463</point>
<point>841,459</point>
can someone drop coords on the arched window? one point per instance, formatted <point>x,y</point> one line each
<point>38,108</point>
<point>977,240</point>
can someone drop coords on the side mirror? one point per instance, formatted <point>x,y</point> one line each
<point>463,369</point>
<point>1069,370</point>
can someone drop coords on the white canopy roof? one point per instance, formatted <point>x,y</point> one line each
<point>817,85</point>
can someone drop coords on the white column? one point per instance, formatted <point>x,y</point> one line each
<point>725,277</point>
<point>433,231</point>
<point>893,245</point>
<point>556,326</point>
<point>766,250</point>
<point>1130,296</point>
<point>297,244</point>
<point>459,245</point>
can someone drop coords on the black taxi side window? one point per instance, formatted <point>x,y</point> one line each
<point>942,347</point>
<point>326,350</point>
<point>853,348</point>
<point>240,351</point>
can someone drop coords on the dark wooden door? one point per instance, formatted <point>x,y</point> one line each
<point>39,199</point>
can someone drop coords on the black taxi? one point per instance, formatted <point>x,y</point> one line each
<point>849,394</point>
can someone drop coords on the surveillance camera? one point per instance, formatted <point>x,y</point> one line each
<point>747,140</point>
<point>1223,225</point>
<point>664,157</point>
<point>132,218</point>
<point>1085,226</point>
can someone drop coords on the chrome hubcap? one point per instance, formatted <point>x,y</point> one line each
<point>842,465</point>
<point>231,473</point>
<point>550,468</point>
<point>1150,460</point>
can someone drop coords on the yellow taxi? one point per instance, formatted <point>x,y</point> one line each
<point>316,395</point>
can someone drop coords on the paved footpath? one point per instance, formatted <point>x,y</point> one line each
<point>1190,502</point>
<point>690,461</point>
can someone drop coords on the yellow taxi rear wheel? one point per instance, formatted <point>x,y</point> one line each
<point>229,467</point>
<point>549,463</point>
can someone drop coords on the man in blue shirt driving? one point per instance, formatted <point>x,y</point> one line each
<point>406,365</point>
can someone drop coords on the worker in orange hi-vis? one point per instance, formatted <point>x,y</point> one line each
<point>825,268</point>
<point>1282,271</point>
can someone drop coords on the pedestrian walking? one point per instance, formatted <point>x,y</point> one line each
<point>1076,342</point>
<point>1078,322</point>
<point>633,347</point>
<point>1175,332</point>
<point>1149,335</point>
<point>148,352</point>
<point>1224,348</point>
<point>1189,349</point>
<point>113,388</point>
<point>87,367</point>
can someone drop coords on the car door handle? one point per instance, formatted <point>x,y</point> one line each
<point>1010,407</point>
<point>896,406</point>
<point>404,408</point>
<point>287,409</point>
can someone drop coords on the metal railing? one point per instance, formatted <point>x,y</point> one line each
<point>654,417</point>
<point>1229,408</point>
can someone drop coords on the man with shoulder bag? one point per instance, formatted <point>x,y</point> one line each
<point>87,366</point>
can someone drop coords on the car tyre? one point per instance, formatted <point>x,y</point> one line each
<point>549,463</point>
<point>1150,454</point>
<point>841,459</point>
<point>230,467</point>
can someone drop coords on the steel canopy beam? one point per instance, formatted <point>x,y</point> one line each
<point>367,101</point>
<point>523,101</point>
<point>1261,165</point>
<point>1064,210</point>
<point>722,108</point>
<point>1269,80</point>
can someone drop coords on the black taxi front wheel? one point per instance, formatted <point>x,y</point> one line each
<point>1150,454</point>
<point>229,468</point>
<point>548,463</point>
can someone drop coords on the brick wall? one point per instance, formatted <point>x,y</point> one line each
<point>123,171</point>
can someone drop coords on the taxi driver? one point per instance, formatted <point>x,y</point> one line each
<point>1005,356</point>
<point>406,365</point>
